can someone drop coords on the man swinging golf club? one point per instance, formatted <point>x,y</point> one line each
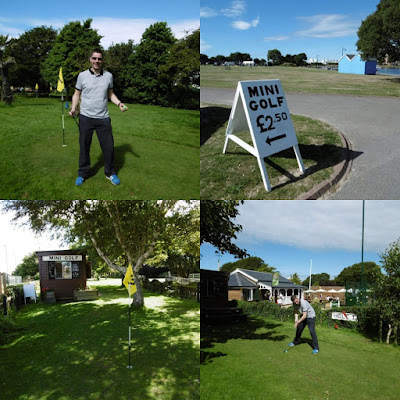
<point>307,318</point>
<point>96,87</point>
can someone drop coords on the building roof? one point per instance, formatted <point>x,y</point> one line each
<point>255,277</point>
<point>238,280</point>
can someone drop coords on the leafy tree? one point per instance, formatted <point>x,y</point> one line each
<point>28,267</point>
<point>322,279</point>
<point>33,45</point>
<point>71,51</point>
<point>251,263</point>
<point>217,227</point>
<point>386,291</point>
<point>296,279</point>
<point>5,62</point>
<point>263,61</point>
<point>116,58</point>
<point>238,57</point>
<point>122,232</point>
<point>204,59</point>
<point>142,73</point>
<point>379,33</point>
<point>300,59</point>
<point>182,70</point>
<point>372,272</point>
<point>275,56</point>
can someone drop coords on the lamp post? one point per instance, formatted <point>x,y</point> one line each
<point>362,253</point>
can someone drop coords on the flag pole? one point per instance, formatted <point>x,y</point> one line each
<point>129,350</point>
<point>62,109</point>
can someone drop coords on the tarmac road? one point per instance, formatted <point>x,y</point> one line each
<point>371,124</point>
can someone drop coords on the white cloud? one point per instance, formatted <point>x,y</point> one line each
<point>204,46</point>
<point>237,8</point>
<point>242,25</point>
<point>114,30</point>
<point>207,12</point>
<point>321,225</point>
<point>275,38</point>
<point>328,26</point>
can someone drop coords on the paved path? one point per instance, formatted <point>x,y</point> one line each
<point>371,124</point>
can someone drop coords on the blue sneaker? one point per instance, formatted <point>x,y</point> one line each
<point>114,179</point>
<point>315,351</point>
<point>79,180</point>
<point>291,345</point>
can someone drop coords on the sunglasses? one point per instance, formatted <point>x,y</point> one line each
<point>96,58</point>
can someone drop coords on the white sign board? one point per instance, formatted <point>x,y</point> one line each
<point>344,317</point>
<point>68,257</point>
<point>261,108</point>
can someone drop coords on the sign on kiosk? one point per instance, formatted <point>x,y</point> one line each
<point>260,106</point>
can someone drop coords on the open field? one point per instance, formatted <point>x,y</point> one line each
<point>236,175</point>
<point>79,350</point>
<point>156,153</point>
<point>303,80</point>
<point>246,361</point>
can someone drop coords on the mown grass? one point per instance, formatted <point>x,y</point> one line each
<point>303,80</point>
<point>79,350</point>
<point>236,175</point>
<point>246,361</point>
<point>156,153</point>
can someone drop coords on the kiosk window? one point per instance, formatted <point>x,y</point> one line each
<point>63,270</point>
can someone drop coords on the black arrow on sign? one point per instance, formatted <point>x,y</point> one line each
<point>270,140</point>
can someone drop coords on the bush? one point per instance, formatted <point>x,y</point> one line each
<point>16,293</point>
<point>171,289</point>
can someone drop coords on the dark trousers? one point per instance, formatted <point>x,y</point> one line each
<point>104,133</point>
<point>310,322</point>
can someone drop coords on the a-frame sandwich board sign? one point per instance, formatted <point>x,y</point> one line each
<point>261,108</point>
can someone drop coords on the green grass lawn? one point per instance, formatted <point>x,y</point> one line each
<point>236,175</point>
<point>246,361</point>
<point>304,80</point>
<point>156,153</point>
<point>79,350</point>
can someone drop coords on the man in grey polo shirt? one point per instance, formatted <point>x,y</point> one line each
<point>96,87</point>
<point>307,318</point>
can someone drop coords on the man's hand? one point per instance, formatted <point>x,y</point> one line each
<point>72,113</point>
<point>122,107</point>
<point>296,324</point>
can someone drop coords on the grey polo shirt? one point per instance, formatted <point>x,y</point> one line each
<point>94,88</point>
<point>306,306</point>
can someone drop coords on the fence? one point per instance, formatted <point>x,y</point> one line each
<point>8,280</point>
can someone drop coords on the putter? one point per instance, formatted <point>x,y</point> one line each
<point>76,121</point>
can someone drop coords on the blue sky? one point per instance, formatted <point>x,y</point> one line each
<point>116,21</point>
<point>289,234</point>
<point>318,28</point>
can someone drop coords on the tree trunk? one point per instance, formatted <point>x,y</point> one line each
<point>380,330</point>
<point>388,334</point>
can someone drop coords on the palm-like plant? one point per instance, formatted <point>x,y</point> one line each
<point>5,62</point>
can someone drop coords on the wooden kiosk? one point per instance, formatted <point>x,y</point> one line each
<point>63,271</point>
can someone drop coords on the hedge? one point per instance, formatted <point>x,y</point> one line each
<point>368,318</point>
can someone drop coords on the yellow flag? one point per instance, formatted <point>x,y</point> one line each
<point>60,84</point>
<point>129,279</point>
<point>37,87</point>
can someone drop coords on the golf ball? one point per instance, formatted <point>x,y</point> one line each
<point>285,351</point>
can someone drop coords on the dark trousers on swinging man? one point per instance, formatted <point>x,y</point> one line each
<point>310,322</point>
<point>104,133</point>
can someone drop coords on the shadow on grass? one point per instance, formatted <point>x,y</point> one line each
<point>221,333</point>
<point>120,153</point>
<point>79,351</point>
<point>211,119</point>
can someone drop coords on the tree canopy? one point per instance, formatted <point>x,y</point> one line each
<point>29,266</point>
<point>71,51</point>
<point>379,33</point>
<point>251,263</point>
<point>217,226</point>
<point>372,272</point>
<point>122,232</point>
<point>386,292</point>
